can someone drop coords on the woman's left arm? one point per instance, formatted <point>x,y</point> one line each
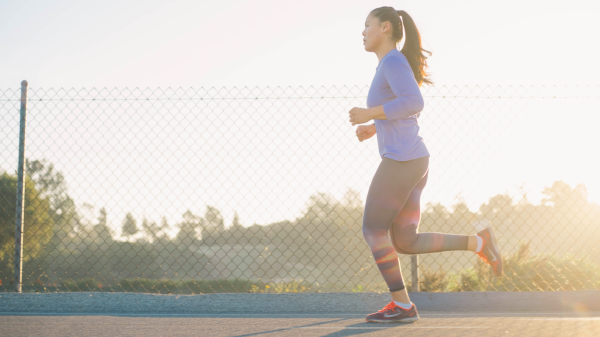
<point>408,101</point>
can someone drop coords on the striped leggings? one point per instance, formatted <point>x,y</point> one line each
<point>393,209</point>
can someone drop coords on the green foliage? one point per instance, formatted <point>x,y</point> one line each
<point>282,287</point>
<point>129,225</point>
<point>168,286</point>
<point>161,286</point>
<point>143,285</point>
<point>323,249</point>
<point>528,272</point>
<point>433,281</point>
<point>186,287</point>
<point>52,187</point>
<point>37,226</point>
<point>358,289</point>
<point>467,280</point>
<point>524,271</point>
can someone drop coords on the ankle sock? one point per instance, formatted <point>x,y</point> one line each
<point>479,243</point>
<point>403,305</point>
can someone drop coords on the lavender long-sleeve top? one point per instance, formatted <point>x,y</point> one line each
<point>394,86</point>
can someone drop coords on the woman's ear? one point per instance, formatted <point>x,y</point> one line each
<point>386,26</point>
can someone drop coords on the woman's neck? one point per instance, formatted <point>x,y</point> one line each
<point>381,52</point>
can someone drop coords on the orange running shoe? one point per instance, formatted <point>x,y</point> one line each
<point>393,313</point>
<point>489,252</point>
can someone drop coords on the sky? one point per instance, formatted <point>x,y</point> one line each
<point>154,43</point>
<point>203,44</point>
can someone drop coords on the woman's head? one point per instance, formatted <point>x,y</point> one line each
<point>385,25</point>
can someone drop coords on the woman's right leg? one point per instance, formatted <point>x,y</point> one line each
<point>390,187</point>
<point>405,230</point>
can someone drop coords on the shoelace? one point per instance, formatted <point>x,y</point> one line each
<point>389,306</point>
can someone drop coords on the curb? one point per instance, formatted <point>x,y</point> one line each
<point>140,303</point>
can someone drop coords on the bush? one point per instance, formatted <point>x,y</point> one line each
<point>524,271</point>
<point>433,281</point>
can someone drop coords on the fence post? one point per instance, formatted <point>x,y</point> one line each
<point>20,192</point>
<point>414,271</point>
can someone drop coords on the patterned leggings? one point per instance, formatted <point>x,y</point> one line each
<point>393,206</point>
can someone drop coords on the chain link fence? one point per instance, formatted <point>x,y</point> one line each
<point>262,189</point>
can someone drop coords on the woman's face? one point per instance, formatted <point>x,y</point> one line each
<point>374,33</point>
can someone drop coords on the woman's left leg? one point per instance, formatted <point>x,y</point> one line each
<point>405,235</point>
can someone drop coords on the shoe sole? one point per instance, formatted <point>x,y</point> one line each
<point>495,245</point>
<point>403,320</point>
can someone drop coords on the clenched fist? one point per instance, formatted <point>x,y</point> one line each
<point>365,132</point>
<point>359,116</point>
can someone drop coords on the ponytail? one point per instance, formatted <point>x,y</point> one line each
<point>412,49</point>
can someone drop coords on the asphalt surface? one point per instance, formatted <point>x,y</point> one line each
<point>481,314</point>
<point>296,303</point>
<point>432,323</point>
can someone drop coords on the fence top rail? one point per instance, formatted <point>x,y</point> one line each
<point>283,97</point>
<point>298,93</point>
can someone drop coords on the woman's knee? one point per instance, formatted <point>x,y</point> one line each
<point>371,234</point>
<point>405,238</point>
<point>378,217</point>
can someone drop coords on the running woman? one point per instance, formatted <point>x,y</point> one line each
<point>392,209</point>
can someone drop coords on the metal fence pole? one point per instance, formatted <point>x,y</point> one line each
<point>20,192</point>
<point>414,266</point>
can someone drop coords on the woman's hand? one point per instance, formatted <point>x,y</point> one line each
<point>365,132</point>
<point>359,116</point>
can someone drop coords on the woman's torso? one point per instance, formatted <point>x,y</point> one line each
<point>397,139</point>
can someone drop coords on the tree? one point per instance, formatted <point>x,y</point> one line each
<point>103,233</point>
<point>52,186</point>
<point>352,198</point>
<point>165,228</point>
<point>320,205</point>
<point>214,219</point>
<point>85,229</point>
<point>462,218</point>
<point>129,225</point>
<point>560,195</point>
<point>434,217</point>
<point>500,211</point>
<point>188,229</point>
<point>161,236</point>
<point>150,229</point>
<point>235,224</point>
<point>37,226</point>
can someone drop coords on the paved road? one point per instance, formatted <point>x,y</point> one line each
<point>431,324</point>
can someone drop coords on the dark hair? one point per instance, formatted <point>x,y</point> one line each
<point>412,49</point>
